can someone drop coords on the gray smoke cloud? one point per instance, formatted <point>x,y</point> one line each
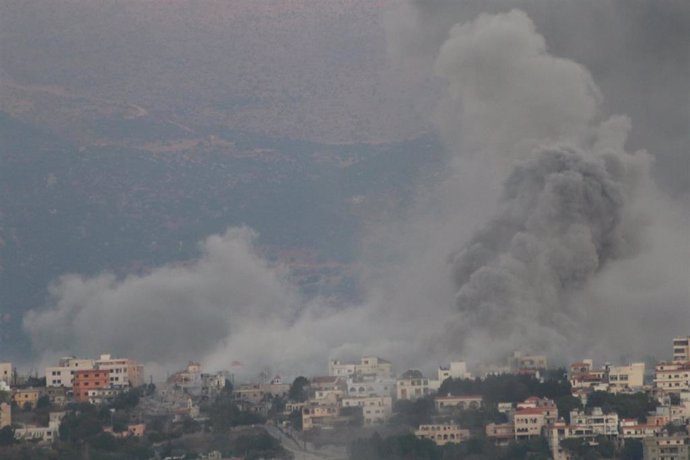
<point>572,254</point>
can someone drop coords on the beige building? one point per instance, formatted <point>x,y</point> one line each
<point>6,373</point>
<point>673,377</point>
<point>369,367</point>
<point>681,349</point>
<point>26,396</point>
<point>63,374</point>
<point>529,423</point>
<point>377,387</point>
<point>626,377</point>
<point>376,410</point>
<point>666,448</point>
<point>442,434</point>
<point>320,415</point>
<point>5,415</point>
<point>596,422</point>
<point>123,371</point>
<point>631,429</point>
<point>500,433</point>
<point>413,385</point>
<point>443,403</point>
<point>522,361</point>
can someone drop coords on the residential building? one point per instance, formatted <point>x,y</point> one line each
<point>442,434</point>
<point>26,396</point>
<point>376,410</point>
<point>632,429</point>
<point>529,423</point>
<point>328,386</point>
<point>87,380</point>
<point>455,370</point>
<point>681,349</point>
<point>596,422</point>
<point>123,371</point>
<point>190,376</point>
<point>39,434</point>
<point>5,415</point>
<point>500,433</point>
<point>6,373</point>
<point>369,367</point>
<point>62,374</point>
<point>136,430</point>
<point>546,405</point>
<point>413,385</point>
<point>103,395</point>
<point>378,387</point>
<point>625,377</point>
<point>521,361</point>
<point>444,403</point>
<point>315,415</point>
<point>57,396</point>
<point>673,377</point>
<point>666,448</point>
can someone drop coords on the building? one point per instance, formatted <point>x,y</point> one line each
<point>41,434</point>
<point>546,405</point>
<point>190,376</point>
<point>133,431</point>
<point>5,415</point>
<point>442,434</point>
<point>529,423</point>
<point>87,380</point>
<point>681,349</point>
<point>521,361</point>
<point>455,370</point>
<point>666,448</point>
<point>596,422</point>
<point>6,373</point>
<point>103,395</point>
<point>62,374</point>
<point>630,377</point>
<point>378,387</point>
<point>123,371</point>
<point>413,385</point>
<point>500,433</point>
<point>672,377</point>
<point>444,403</point>
<point>369,367</point>
<point>631,429</point>
<point>315,415</point>
<point>375,410</point>
<point>326,387</point>
<point>26,396</point>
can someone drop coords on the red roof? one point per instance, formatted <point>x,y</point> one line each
<point>530,411</point>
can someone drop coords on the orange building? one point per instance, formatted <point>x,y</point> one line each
<point>89,379</point>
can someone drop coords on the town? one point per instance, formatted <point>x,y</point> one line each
<point>104,408</point>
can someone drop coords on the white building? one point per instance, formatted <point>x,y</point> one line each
<point>681,349</point>
<point>413,385</point>
<point>6,373</point>
<point>369,367</point>
<point>123,371</point>
<point>596,422</point>
<point>376,410</point>
<point>378,387</point>
<point>673,377</point>
<point>62,374</point>
<point>455,370</point>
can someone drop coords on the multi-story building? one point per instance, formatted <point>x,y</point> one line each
<point>103,395</point>
<point>546,405</point>
<point>442,434</point>
<point>5,415</point>
<point>666,448</point>
<point>375,410</point>
<point>87,380</point>
<point>596,422</point>
<point>455,370</point>
<point>500,433</point>
<point>123,371</point>
<point>62,374</point>
<point>369,367</point>
<point>632,429</point>
<point>681,349</point>
<point>26,397</point>
<point>521,361</point>
<point>529,423</point>
<point>316,415</point>
<point>625,377</point>
<point>328,388</point>
<point>444,403</point>
<point>6,373</point>
<point>413,385</point>
<point>378,387</point>
<point>673,377</point>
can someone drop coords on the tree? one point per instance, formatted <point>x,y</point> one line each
<point>299,390</point>
<point>7,436</point>
<point>632,450</point>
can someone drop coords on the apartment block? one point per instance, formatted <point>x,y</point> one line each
<point>87,380</point>
<point>442,434</point>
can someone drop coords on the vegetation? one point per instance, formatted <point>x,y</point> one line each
<point>635,405</point>
<point>508,387</point>
<point>225,414</point>
<point>299,390</point>
<point>413,413</point>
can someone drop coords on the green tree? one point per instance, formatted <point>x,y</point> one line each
<point>299,390</point>
<point>7,436</point>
